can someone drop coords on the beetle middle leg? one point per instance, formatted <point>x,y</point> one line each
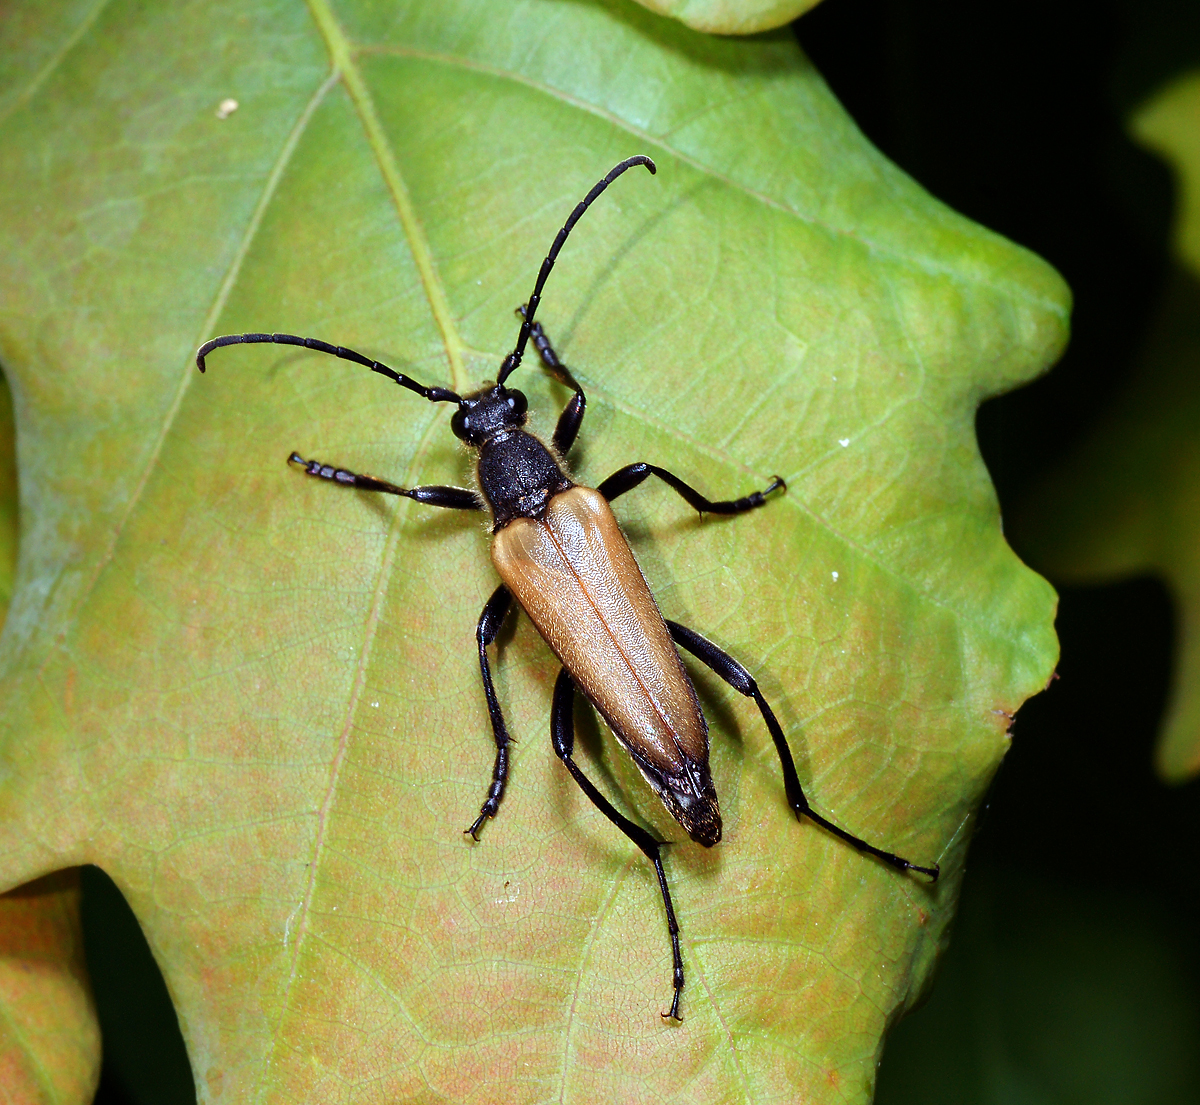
<point>627,478</point>
<point>741,680</point>
<point>490,622</point>
<point>456,498</point>
<point>562,734</point>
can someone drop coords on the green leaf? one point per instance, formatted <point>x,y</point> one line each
<point>8,498</point>
<point>49,1041</point>
<point>732,17</point>
<point>253,698</point>
<point>1127,501</point>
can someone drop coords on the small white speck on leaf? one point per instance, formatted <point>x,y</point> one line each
<point>287,925</point>
<point>835,577</point>
<point>375,704</point>
<point>226,108</point>
<point>843,441</point>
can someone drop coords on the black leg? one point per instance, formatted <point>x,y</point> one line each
<point>741,680</point>
<point>457,498</point>
<point>627,478</point>
<point>572,416</point>
<point>490,622</point>
<point>562,733</point>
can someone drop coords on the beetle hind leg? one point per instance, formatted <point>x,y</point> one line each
<point>562,733</point>
<point>490,622</point>
<point>742,681</point>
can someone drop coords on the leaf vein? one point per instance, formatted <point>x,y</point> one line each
<point>923,263</point>
<point>56,59</point>
<point>382,581</point>
<point>797,503</point>
<point>725,1029</point>
<point>584,956</point>
<point>214,312</point>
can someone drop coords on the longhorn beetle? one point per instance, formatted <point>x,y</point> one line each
<point>562,556</point>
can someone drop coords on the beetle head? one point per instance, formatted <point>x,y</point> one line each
<point>489,413</point>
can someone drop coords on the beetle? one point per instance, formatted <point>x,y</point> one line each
<point>561,555</point>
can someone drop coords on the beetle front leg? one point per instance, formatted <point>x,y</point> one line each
<point>490,622</point>
<point>562,734</point>
<point>627,478</point>
<point>456,498</point>
<point>742,681</point>
<point>572,416</point>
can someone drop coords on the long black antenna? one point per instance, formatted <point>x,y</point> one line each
<point>434,395</point>
<point>514,358</point>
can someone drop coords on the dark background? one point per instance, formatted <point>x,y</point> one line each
<point>1072,976</point>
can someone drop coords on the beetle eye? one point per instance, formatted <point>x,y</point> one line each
<point>460,424</point>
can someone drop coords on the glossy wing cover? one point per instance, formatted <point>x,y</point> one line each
<point>575,576</point>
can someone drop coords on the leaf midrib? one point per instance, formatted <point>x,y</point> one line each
<point>343,59</point>
<point>343,66</point>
